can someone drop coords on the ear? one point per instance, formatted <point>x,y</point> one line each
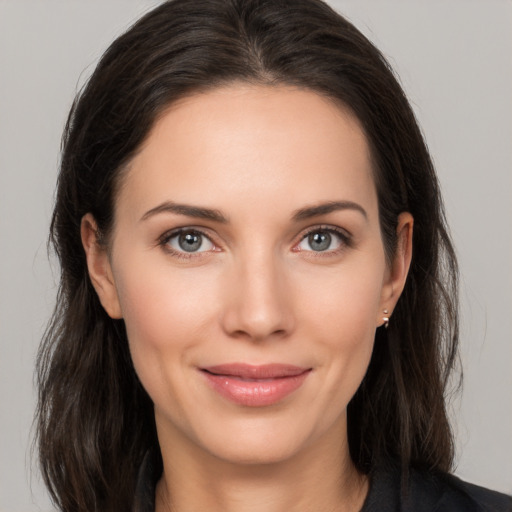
<point>98,264</point>
<point>399,268</point>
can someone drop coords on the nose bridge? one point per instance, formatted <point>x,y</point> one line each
<point>259,305</point>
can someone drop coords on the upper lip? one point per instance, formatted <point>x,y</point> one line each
<point>249,371</point>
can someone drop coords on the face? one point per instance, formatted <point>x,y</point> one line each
<point>247,263</point>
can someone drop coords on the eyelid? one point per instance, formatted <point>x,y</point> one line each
<point>163,241</point>
<point>345,237</point>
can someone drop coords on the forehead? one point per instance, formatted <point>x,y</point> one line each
<point>252,142</point>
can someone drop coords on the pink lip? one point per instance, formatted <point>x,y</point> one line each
<point>255,386</point>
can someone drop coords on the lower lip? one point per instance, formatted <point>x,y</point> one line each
<point>255,393</point>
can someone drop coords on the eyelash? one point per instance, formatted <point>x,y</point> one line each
<point>169,235</point>
<point>345,238</point>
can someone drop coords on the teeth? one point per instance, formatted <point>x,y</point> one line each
<point>254,380</point>
<point>248,379</point>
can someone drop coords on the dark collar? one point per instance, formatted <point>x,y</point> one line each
<point>149,474</point>
<point>422,491</point>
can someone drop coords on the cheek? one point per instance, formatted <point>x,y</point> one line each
<point>166,314</point>
<point>345,302</point>
<point>340,313</point>
<point>161,314</point>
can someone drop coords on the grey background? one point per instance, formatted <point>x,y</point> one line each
<point>454,60</point>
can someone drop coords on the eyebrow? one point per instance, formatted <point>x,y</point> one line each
<point>325,208</point>
<point>188,210</point>
<point>200,212</point>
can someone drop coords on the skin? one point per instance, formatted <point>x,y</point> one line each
<point>256,292</point>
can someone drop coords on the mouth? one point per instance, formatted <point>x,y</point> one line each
<point>255,386</point>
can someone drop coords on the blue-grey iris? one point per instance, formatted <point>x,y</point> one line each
<point>319,241</point>
<point>190,242</point>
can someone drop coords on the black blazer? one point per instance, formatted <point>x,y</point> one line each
<point>422,492</point>
<point>425,491</point>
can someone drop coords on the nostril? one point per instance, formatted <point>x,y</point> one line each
<point>255,305</point>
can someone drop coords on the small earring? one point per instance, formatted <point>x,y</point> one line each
<point>386,318</point>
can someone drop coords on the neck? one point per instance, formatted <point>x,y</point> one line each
<point>320,479</point>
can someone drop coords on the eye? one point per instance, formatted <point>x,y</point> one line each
<point>323,240</point>
<point>189,241</point>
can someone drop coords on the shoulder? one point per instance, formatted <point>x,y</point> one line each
<point>425,491</point>
<point>448,493</point>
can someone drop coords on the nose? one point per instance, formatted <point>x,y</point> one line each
<point>258,303</point>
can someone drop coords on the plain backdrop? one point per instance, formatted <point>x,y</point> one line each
<point>454,58</point>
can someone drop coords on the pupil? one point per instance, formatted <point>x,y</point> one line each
<point>320,241</point>
<point>190,242</point>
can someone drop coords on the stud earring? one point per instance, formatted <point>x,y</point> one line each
<point>386,318</point>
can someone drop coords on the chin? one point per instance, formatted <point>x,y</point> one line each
<point>261,442</point>
<point>257,454</point>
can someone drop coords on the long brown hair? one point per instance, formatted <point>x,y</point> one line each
<point>95,421</point>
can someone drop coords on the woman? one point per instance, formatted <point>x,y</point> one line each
<point>258,296</point>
